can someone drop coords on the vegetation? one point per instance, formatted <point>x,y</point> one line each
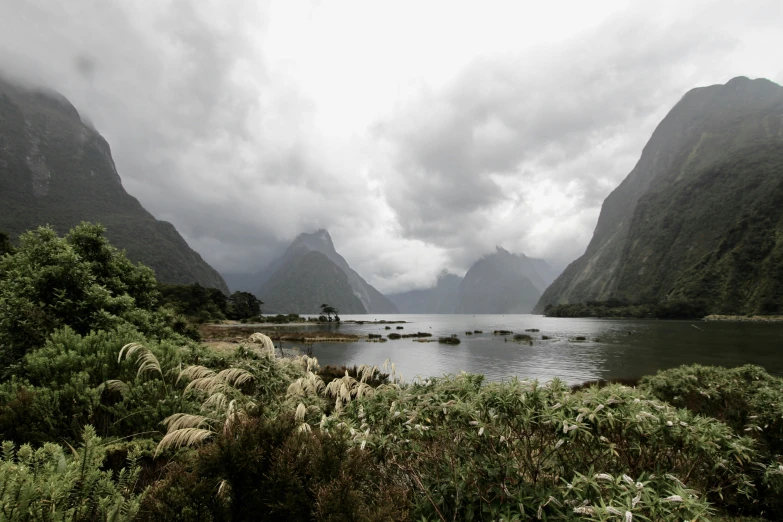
<point>671,309</point>
<point>327,312</point>
<point>118,417</point>
<point>449,340</point>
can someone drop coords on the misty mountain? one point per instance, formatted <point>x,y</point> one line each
<point>358,297</point>
<point>700,217</point>
<point>499,283</point>
<point>55,169</point>
<point>439,299</point>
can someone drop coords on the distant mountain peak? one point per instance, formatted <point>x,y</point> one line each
<point>368,298</point>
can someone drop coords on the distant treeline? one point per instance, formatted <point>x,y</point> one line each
<point>676,309</point>
<point>203,304</point>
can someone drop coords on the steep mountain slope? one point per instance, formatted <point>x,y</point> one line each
<point>54,169</point>
<point>499,283</point>
<point>372,300</point>
<point>305,283</point>
<point>439,299</point>
<point>673,228</point>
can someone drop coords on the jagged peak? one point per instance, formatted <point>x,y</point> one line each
<point>321,235</point>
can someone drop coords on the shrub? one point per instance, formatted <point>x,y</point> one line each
<point>50,484</point>
<point>502,332</point>
<point>523,337</point>
<point>482,452</point>
<point>80,281</point>
<point>328,373</point>
<point>394,336</point>
<point>268,467</point>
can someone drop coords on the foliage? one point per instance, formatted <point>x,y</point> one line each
<point>242,305</point>
<point>47,484</point>
<point>266,466</point>
<point>747,399</point>
<point>329,373</point>
<point>195,301</point>
<point>61,387</point>
<point>448,340</point>
<point>670,309</point>
<point>80,281</point>
<point>330,311</point>
<point>479,452</point>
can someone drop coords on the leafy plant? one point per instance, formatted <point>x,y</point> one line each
<point>47,484</point>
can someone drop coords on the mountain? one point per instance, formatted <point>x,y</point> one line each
<point>699,218</point>
<point>496,284</point>
<point>56,170</point>
<point>500,283</point>
<point>303,284</point>
<point>302,290</point>
<point>439,299</point>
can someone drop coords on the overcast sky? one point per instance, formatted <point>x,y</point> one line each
<point>420,134</point>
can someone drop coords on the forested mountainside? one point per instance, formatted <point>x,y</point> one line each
<point>56,170</point>
<point>698,219</point>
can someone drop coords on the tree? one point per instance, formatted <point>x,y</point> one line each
<point>242,305</point>
<point>80,281</point>
<point>328,311</point>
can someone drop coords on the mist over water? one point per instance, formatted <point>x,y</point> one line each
<point>615,348</point>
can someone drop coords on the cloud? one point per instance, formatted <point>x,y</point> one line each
<point>474,160</point>
<point>421,137</point>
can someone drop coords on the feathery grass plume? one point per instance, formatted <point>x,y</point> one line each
<point>266,343</point>
<point>195,372</point>
<point>145,359</point>
<point>183,437</point>
<point>180,421</point>
<point>113,385</point>
<point>236,376</point>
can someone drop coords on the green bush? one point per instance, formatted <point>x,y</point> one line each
<point>79,281</point>
<point>266,468</point>
<point>480,452</point>
<point>49,484</point>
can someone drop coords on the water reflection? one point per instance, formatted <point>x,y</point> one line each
<point>613,349</point>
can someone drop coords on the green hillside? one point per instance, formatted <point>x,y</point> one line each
<point>56,170</point>
<point>696,220</point>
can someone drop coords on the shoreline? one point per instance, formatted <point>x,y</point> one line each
<point>744,318</point>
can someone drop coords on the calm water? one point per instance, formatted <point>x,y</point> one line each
<point>614,349</point>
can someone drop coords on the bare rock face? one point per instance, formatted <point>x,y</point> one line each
<point>56,170</point>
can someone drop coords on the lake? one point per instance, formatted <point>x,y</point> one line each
<point>615,348</point>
